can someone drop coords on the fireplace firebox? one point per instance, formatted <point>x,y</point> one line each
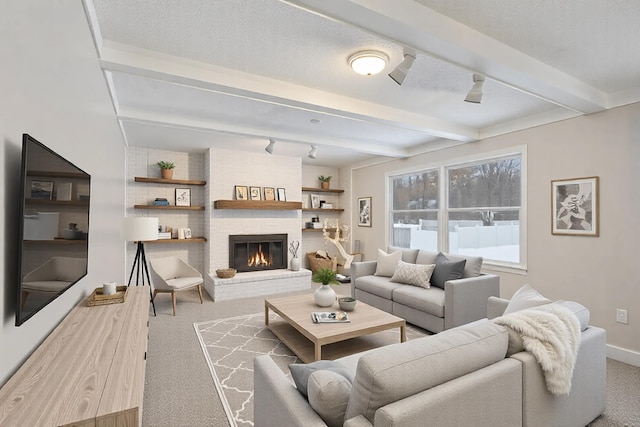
<point>256,252</point>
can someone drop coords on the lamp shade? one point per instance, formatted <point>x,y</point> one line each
<point>140,228</point>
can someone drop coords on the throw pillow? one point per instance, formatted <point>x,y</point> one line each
<point>413,274</point>
<point>387,263</point>
<point>328,396</point>
<point>300,372</point>
<point>446,270</point>
<point>525,297</point>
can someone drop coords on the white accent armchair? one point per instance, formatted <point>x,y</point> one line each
<point>171,274</point>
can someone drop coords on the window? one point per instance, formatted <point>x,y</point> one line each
<point>480,207</point>
<point>415,210</point>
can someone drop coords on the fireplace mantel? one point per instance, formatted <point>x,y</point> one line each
<point>257,205</point>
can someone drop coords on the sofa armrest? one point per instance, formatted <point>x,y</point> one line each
<point>496,307</point>
<point>588,396</point>
<point>360,269</point>
<point>465,300</point>
<point>276,402</point>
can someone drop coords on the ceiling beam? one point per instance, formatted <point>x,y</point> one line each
<point>144,117</point>
<point>145,63</point>
<point>415,26</point>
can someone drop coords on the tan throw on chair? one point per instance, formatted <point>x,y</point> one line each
<point>171,274</point>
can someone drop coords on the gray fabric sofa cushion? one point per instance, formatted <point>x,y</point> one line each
<point>328,396</point>
<point>300,372</point>
<point>427,300</point>
<point>408,255</point>
<point>472,266</point>
<point>390,374</point>
<point>377,285</point>
<point>446,270</point>
<point>426,257</point>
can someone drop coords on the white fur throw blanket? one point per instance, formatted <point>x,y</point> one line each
<point>552,336</point>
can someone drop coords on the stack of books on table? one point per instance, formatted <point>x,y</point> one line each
<point>329,317</point>
<point>164,235</point>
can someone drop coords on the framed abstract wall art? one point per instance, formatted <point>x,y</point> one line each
<point>574,205</point>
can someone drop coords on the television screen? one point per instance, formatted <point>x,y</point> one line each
<point>53,247</point>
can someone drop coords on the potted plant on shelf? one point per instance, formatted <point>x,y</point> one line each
<point>166,168</point>
<point>324,296</point>
<point>325,181</point>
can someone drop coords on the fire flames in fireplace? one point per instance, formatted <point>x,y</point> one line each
<point>255,252</point>
<point>259,259</point>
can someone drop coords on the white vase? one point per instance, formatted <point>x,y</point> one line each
<point>325,296</point>
<point>295,264</point>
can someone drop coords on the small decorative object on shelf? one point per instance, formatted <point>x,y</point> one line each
<point>293,250</point>
<point>325,181</point>
<point>166,168</point>
<point>159,201</point>
<point>226,273</point>
<point>325,296</point>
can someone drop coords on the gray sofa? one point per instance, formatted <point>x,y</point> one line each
<point>435,309</point>
<point>462,376</point>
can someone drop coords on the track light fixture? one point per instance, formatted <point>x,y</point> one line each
<point>313,151</point>
<point>269,148</point>
<point>400,72</point>
<point>475,94</point>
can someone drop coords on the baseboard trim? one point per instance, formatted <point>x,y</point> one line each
<point>623,355</point>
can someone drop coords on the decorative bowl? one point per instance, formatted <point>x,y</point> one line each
<point>347,303</point>
<point>226,273</point>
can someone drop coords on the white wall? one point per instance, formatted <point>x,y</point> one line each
<point>229,168</point>
<point>52,88</point>
<point>599,272</point>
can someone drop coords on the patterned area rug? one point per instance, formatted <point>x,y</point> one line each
<point>230,345</point>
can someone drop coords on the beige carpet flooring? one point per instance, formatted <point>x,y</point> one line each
<point>179,389</point>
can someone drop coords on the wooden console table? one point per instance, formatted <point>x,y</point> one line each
<point>88,372</point>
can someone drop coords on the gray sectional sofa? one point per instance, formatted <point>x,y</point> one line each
<point>462,376</point>
<point>455,303</point>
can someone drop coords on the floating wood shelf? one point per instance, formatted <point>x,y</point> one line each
<point>322,190</point>
<point>330,230</point>
<point>257,205</point>
<point>174,208</point>
<point>193,240</point>
<point>322,210</point>
<point>170,181</point>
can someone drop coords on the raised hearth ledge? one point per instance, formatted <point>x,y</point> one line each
<point>256,283</point>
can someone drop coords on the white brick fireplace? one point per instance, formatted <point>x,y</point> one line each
<point>225,169</point>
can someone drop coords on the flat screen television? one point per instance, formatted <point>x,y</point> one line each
<point>53,243</point>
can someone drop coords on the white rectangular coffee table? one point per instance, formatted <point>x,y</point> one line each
<point>315,341</point>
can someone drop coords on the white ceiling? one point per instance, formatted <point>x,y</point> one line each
<point>193,74</point>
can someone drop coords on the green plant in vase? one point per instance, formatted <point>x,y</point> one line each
<point>325,181</point>
<point>166,168</point>
<point>324,296</point>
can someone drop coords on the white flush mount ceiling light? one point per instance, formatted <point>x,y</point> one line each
<point>475,94</point>
<point>400,72</point>
<point>269,148</point>
<point>313,152</point>
<point>368,62</point>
